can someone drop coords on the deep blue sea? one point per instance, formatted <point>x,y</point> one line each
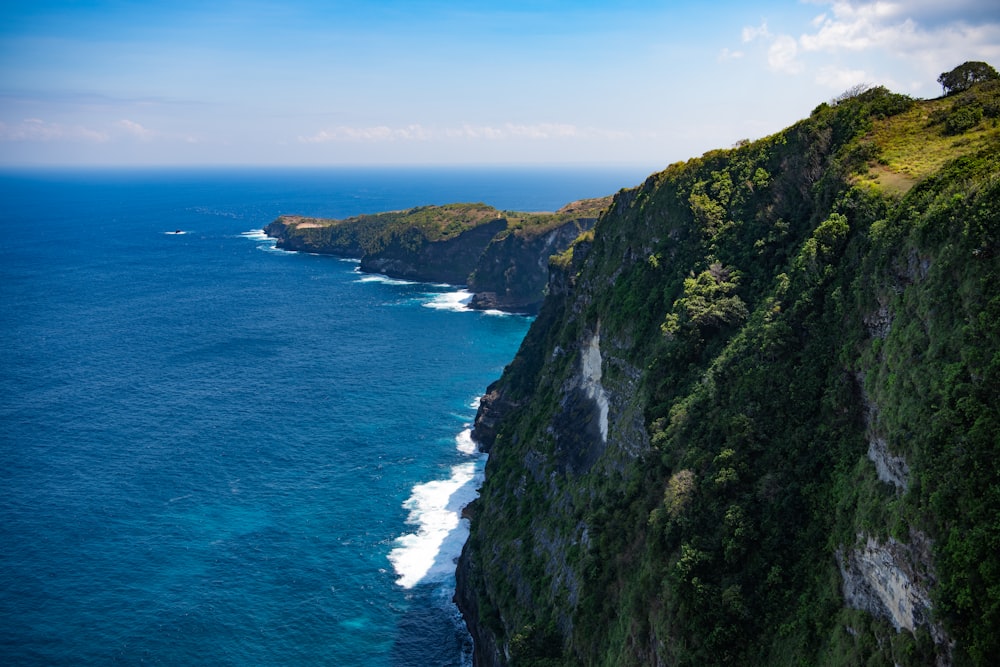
<point>213,452</point>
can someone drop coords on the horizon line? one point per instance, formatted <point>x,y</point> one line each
<point>365,165</point>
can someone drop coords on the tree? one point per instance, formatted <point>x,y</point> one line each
<point>965,75</point>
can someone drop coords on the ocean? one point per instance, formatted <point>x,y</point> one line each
<point>213,452</point>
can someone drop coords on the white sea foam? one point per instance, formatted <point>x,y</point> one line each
<point>379,278</point>
<point>176,232</point>
<point>264,242</point>
<point>429,554</point>
<point>465,443</point>
<point>454,301</point>
<point>459,302</point>
<point>256,235</point>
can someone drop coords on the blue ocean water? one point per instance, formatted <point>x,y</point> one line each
<point>214,452</point>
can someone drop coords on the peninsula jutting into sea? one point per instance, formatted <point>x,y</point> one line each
<point>501,256</point>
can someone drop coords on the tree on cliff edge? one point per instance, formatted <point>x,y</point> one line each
<point>965,75</point>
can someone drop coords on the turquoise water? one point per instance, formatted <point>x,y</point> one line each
<point>215,452</point>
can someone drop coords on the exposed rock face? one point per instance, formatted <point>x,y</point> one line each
<point>303,235</point>
<point>448,261</point>
<point>485,651</point>
<point>889,468</point>
<point>892,580</point>
<point>590,380</point>
<point>889,579</point>
<point>513,270</point>
<point>583,427</point>
<point>493,406</point>
<point>580,428</point>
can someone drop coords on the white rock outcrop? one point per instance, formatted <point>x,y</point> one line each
<point>891,580</point>
<point>590,379</point>
<point>890,468</point>
<point>880,579</point>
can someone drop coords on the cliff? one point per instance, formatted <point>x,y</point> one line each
<point>756,418</point>
<point>501,256</point>
<point>512,272</point>
<point>298,233</point>
<point>398,238</point>
<point>414,256</point>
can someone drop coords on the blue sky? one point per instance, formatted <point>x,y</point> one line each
<point>291,82</point>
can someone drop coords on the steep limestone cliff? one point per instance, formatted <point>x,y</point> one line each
<point>755,420</point>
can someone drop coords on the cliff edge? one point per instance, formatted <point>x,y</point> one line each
<point>755,419</point>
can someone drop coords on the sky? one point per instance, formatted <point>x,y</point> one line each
<point>425,82</point>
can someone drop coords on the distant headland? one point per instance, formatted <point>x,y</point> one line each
<point>501,256</point>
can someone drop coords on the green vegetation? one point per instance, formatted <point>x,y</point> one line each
<point>411,228</point>
<point>765,312</point>
<point>531,225</point>
<point>916,143</point>
<point>371,234</point>
<point>967,75</point>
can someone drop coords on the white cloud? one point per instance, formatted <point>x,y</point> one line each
<point>911,29</point>
<point>916,39</point>
<point>136,130</point>
<point>860,28</point>
<point>412,132</point>
<point>782,55</point>
<point>36,129</point>
<point>929,36</point>
<point>726,54</point>
<point>417,132</point>
<point>540,131</point>
<point>839,79</point>
<point>751,33</point>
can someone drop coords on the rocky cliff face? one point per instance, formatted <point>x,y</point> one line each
<point>513,270</point>
<point>412,256</point>
<point>748,423</point>
<point>308,235</point>
<point>891,581</point>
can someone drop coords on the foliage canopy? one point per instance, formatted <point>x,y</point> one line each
<point>966,75</point>
<point>765,312</point>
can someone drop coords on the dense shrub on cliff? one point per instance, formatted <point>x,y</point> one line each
<point>967,75</point>
<point>795,346</point>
